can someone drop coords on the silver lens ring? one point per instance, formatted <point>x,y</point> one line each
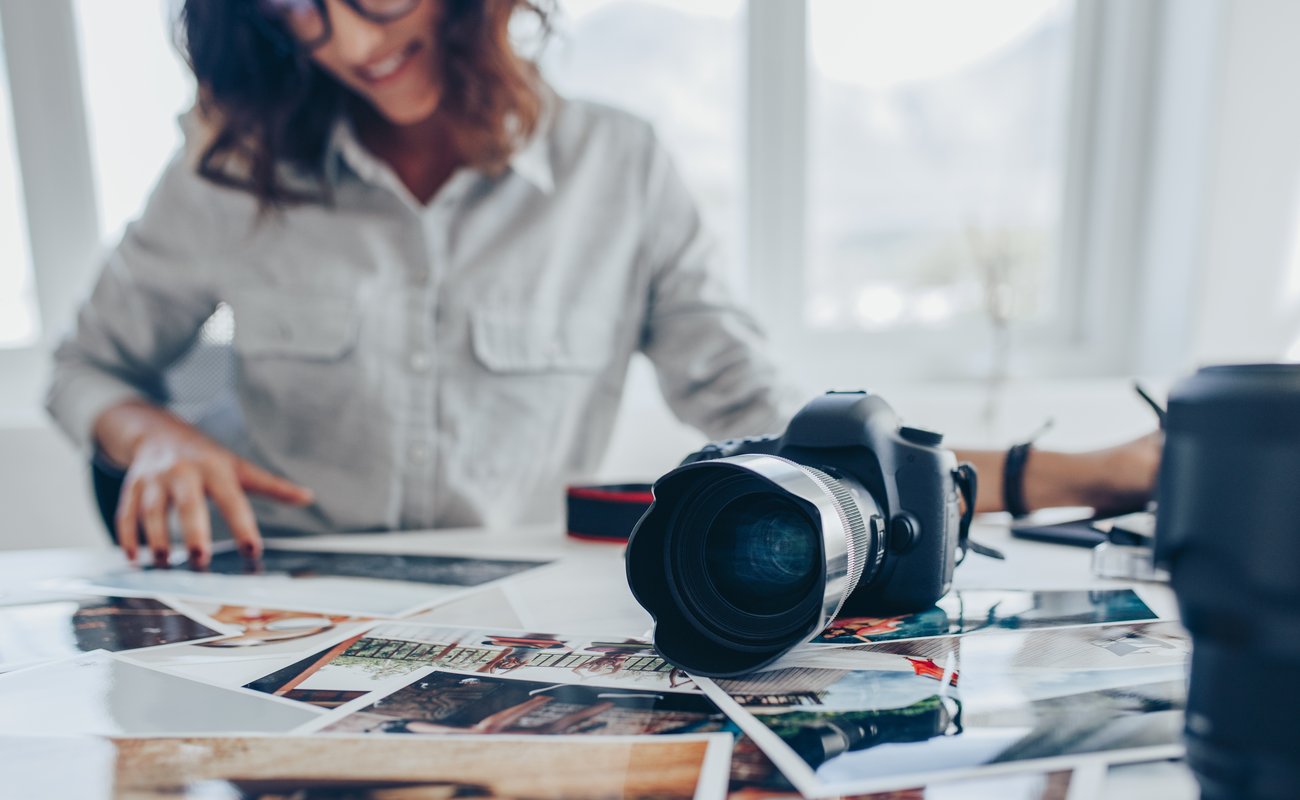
<point>849,545</point>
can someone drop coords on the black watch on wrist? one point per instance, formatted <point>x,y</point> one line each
<point>1013,479</point>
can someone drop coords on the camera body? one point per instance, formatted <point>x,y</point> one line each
<point>857,435</point>
<point>755,545</point>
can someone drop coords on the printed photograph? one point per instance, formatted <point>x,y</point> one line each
<point>100,694</point>
<point>755,777</point>
<point>336,675</point>
<point>1172,775</point>
<point>257,633</point>
<point>59,628</point>
<point>966,611</point>
<point>342,673</point>
<point>438,570</point>
<point>948,707</point>
<point>565,659</point>
<point>355,584</point>
<point>457,702</point>
<point>423,768</point>
<point>322,595</point>
<point>262,628</point>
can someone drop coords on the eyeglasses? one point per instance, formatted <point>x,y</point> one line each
<point>308,22</point>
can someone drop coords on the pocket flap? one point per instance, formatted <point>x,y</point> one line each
<point>507,342</point>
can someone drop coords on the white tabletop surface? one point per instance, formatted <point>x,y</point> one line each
<point>585,592</point>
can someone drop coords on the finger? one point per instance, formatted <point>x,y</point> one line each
<point>192,510</point>
<point>153,512</point>
<point>233,505</point>
<point>127,521</point>
<point>255,479</point>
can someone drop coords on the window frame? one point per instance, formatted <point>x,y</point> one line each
<point>42,58</point>
<point>1112,72</point>
<point>1126,63</point>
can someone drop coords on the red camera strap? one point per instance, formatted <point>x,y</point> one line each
<point>606,513</point>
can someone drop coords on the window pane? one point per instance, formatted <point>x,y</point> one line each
<point>136,85</point>
<point>677,63</point>
<point>937,160</point>
<point>18,317</point>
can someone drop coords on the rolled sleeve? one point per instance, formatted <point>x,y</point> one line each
<point>709,352</point>
<point>148,304</point>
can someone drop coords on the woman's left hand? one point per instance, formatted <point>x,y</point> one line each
<point>1112,480</point>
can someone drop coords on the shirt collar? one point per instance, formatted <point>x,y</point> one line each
<point>531,161</point>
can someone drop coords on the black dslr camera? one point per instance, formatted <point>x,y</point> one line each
<point>753,546</point>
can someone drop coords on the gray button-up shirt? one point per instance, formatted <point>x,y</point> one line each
<point>436,365</point>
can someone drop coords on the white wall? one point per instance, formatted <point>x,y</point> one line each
<point>45,496</point>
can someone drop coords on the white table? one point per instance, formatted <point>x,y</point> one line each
<point>585,592</point>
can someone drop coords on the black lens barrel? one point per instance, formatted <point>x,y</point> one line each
<point>1228,529</point>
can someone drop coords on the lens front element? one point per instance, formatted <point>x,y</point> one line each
<point>763,553</point>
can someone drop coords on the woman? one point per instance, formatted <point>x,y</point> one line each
<point>438,271</point>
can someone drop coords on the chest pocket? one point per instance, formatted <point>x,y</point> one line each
<point>300,383</point>
<point>506,342</point>
<point>295,325</point>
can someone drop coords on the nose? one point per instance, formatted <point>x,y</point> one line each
<point>356,38</point>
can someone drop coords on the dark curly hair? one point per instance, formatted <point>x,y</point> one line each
<point>269,105</point>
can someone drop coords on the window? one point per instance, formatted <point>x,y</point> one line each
<point>885,177</point>
<point>134,96</point>
<point>135,85</point>
<point>936,161</point>
<point>677,63</point>
<point>18,316</point>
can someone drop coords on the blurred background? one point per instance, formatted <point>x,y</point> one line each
<point>990,212</point>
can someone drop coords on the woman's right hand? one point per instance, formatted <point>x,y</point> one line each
<point>173,466</point>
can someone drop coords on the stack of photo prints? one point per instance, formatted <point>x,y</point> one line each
<point>320,676</point>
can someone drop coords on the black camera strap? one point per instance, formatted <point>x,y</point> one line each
<point>606,513</point>
<point>968,484</point>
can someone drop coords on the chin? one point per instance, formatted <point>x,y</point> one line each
<point>410,112</point>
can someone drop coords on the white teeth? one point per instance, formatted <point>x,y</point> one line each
<point>383,69</point>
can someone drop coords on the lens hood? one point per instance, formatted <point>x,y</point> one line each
<point>710,615</point>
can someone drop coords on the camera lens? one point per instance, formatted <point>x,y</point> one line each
<point>1226,530</point>
<point>762,553</point>
<point>742,558</point>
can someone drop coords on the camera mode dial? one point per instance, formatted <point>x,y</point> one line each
<point>921,436</point>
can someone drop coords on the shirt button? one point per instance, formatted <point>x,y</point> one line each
<point>420,361</point>
<point>418,453</point>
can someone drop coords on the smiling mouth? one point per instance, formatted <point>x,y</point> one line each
<point>379,72</point>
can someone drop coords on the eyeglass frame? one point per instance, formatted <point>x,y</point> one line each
<point>275,24</point>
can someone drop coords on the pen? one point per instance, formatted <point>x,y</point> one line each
<point>1156,407</point>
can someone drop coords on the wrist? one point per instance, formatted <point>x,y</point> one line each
<point>122,430</point>
<point>1053,479</point>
